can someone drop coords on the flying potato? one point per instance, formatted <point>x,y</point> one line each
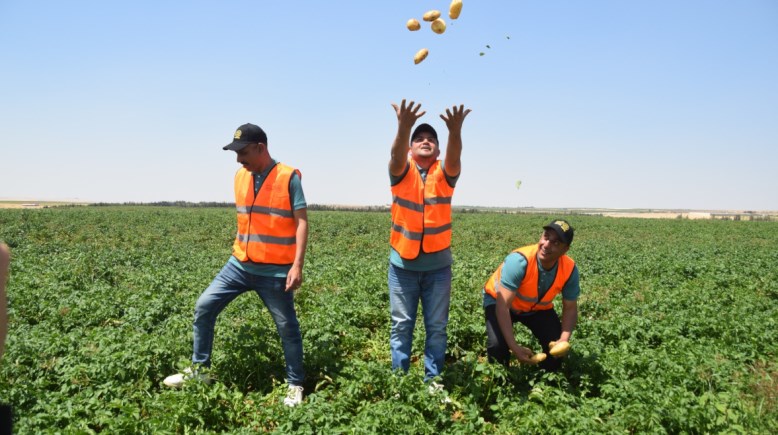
<point>431,15</point>
<point>420,55</point>
<point>439,26</point>
<point>538,358</point>
<point>559,349</point>
<point>455,9</point>
<point>413,25</point>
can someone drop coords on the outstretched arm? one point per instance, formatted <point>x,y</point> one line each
<point>406,117</point>
<point>454,119</point>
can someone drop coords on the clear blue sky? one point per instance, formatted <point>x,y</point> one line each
<point>610,103</point>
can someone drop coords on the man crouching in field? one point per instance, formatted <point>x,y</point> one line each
<point>267,256</point>
<point>522,290</point>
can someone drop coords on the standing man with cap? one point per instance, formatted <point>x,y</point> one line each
<point>420,256</point>
<point>522,290</point>
<point>267,256</point>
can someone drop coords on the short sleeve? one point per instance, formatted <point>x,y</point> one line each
<point>513,271</point>
<point>572,290</point>
<point>296,192</point>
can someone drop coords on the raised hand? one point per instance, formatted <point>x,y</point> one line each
<point>407,115</point>
<point>454,117</point>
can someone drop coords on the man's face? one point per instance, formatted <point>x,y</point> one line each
<point>425,145</point>
<point>250,156</point>
<point>550,247</point>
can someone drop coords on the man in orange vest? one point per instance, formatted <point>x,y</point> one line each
<point>267,256</point>
<point>522,290</point>
<point>420,256</point>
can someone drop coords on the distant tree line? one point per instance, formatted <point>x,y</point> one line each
<point>214,204</point>
<point>211,204</point>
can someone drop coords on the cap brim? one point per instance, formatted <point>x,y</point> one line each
<point>235,146</point>
<point>559,232</point>
<point>424,128</point>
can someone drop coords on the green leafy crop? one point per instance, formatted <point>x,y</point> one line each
<point>677,330</point>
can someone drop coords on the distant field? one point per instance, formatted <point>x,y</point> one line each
<point>762,215</point>
<point>678,329</point>
<point>36,204</point>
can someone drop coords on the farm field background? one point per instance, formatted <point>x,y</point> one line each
<point>677,329</point>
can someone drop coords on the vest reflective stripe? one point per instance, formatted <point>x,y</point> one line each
<point>266,227</point>
<point>267,239</point>
<point>421,212</point>
<point>407,204</point>
<point>266,210</point>
<point>526,299</point>
<point>435,201</point>
<point>437,230</point>
<point>411,235</point>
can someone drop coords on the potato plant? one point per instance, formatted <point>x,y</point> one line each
<point>677,329</point>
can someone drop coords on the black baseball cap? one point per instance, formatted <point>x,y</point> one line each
<point>424,128</point>
<point>244,135</point>
<point>563,229</point>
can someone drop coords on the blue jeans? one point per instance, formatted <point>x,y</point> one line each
<point>406,289</point>
<point>230,283</point>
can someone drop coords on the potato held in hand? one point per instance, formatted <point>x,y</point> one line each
<point>559,349</point>
<point>431,15</point>
<point>420,55</point>
<point>455,9</point>
<point>413,25</point>
<point>439,26</point>
<point>538,358</point>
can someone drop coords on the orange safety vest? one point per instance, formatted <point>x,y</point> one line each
<point>266,228</point>
<point>526,299</point>
<point>421,212</point>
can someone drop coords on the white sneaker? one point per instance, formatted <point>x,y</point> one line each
<point>435,387</point>
<point>438,389</point>
<point>294,396</point>
<point>179,379</point>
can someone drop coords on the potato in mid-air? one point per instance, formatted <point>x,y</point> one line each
<point>413,25</point>
<point>431,15</point>
<point>439,26</point>
<point>420,55</point>
<point>455,9</point>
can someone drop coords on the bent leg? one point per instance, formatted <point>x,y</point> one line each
<point>545,326</point>
<point>496,347</point>
<point>228,284</point>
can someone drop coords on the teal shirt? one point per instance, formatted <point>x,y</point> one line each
<point>298,202</point>
<point>425,262</point>
<point>516,267</point>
